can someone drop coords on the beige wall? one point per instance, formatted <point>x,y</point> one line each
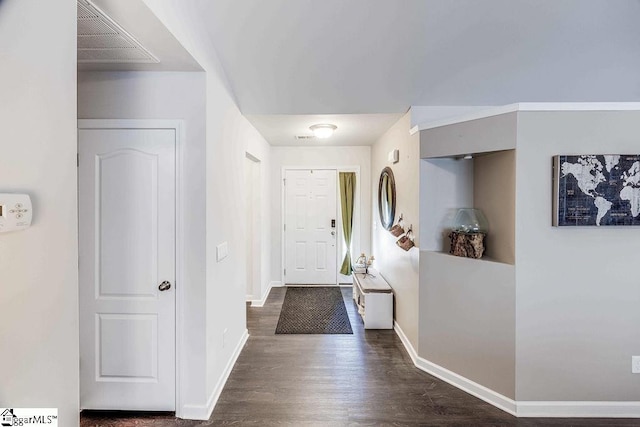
<point>467,306</point>
<point>467,318</point>
<point>561,317</point>
<point>578,293</point>
<point>39,266</point>
<point>398,267</point>
<point>494,193</point>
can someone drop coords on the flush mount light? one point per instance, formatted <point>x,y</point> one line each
<point>323,130</point>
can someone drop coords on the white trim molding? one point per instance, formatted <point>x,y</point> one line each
<point>529,106</point>
<point>260,302</point>
<point>179,127</point>
<point>203,412</point>
<point>589,409</point>
<point>557,409</point>
<point>407,344</point>
<point>357,207</point>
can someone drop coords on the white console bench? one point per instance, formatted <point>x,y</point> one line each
<point>374,298</point>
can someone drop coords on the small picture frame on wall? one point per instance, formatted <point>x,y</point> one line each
<point>596,190</point>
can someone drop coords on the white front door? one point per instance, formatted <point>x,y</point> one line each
<point>310,227</point>
<point>127,207</point>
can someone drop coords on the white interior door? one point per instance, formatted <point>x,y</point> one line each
<point>310,233</point>
<point>127,250</point>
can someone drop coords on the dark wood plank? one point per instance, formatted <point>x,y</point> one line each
<point>335,380</point>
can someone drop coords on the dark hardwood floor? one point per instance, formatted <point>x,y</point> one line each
<point>335,380</point>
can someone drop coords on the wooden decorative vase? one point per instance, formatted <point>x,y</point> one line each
<point>470,245</point>
<point>468,232</point>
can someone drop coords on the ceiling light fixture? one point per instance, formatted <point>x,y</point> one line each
<point>323,130</point>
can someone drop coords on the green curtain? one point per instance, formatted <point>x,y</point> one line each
<point>347,191</point>
<point>390,194</point>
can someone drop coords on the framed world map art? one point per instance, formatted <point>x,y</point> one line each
<point>596,190</point>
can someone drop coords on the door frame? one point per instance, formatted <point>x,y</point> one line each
<point>255,161</point>
<point>179,128</point>
<point>339,232</point>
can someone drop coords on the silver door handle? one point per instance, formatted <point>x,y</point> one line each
<point>164,286</point>
<point>333,233</point>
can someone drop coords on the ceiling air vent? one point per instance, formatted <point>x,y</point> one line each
<point>305,136</point>
<point>101,40</point>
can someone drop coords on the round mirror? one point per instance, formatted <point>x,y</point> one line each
<point>387,198</point>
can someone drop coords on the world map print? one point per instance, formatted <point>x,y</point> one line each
<point>597,190</point>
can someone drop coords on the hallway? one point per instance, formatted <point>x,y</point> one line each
<point>334,380</point>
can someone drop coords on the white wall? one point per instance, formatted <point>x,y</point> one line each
<point>316,157</point>
<point>228,137</point>
<point>168,95</point>
<point>39,266</point>
<point>259,149</point>
<point>399,268</point>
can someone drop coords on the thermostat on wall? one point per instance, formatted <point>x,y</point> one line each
<point>15,212</point>
<point>394,156</point>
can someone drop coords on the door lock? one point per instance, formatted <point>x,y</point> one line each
<point>164,286</point>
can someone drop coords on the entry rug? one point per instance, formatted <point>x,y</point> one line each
<point>313,310</point>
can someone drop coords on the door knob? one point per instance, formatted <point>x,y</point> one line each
<point>164,286</point>
<point>333,233</point>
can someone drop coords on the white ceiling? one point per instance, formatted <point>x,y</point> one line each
<point>382,56</point>
<point>353,129</point>
<point>141,23</point>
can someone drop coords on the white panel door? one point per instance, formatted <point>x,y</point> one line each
<point>310,236</point>
<point>127,262</point>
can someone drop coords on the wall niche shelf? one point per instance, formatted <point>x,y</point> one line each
<point>469,164</point>
<point>486,181</point>
<point>470,260</point>
<point>509,306</point>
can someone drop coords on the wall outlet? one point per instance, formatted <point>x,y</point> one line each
<point>635,364</point>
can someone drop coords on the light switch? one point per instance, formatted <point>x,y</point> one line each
<point>222,251</point>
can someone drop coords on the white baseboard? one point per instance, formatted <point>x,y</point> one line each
<point>555,409</point>
<point>579,409</point>
<point>405,341</point>
<point>203,412</point>
<point>260,302</point>
<point>464,384</point>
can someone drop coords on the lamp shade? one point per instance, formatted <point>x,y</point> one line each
<point>323,130</point>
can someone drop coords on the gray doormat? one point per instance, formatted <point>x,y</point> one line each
<point>313,310</point>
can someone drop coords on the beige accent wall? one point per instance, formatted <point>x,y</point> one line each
<point>578,294</point>
<point>398,267</point>
<point>467,306</point>
<point>494,193</point>
<point>556,324</point>
<point>467,318</point>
